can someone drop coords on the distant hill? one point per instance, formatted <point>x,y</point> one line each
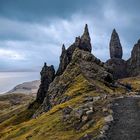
<point>26,88</point>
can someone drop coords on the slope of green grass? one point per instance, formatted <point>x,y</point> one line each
<point>133,81</point>
<point>12,104</point>
<point>50,125</point>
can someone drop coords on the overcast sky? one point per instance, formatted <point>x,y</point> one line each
<point>33,31</point>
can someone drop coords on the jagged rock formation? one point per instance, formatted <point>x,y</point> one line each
<point>83,64</point>
<point>116,62</point>
<point>64,60</point>
<point>85,40</point>
<point>133,64</point>
<point>82,43</point>
<point>47,75</point>
<point>115,46</point>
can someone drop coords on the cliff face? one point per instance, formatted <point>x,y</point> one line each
<point>47,75</point>
<point>133,63</point>
<point>119,67</point>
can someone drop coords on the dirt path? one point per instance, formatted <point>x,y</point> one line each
<point>126,124</point>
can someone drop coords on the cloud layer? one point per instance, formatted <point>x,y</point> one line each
<point>33,32</point>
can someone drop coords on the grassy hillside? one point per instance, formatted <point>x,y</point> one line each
<point>12,104</point>
<point>50,125</point>
<point>133,81</point>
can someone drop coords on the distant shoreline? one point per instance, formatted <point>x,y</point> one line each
<point>9,80</point>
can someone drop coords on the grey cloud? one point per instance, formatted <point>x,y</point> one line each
<point>36,29</point>
<point>32,10</point>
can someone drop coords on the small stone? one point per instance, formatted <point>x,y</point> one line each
<point>85,118</point>
<point>116,104</point>
<point>89,112</point>
<point>105,128</point>
<point>96,98</point>
<point>109,118</point>
<point>79,113</point>
<point>88,105</point>
<point>88,125</point>
<point>87,137</point>
<point>105,110</point>
<point>67,110</point>
<point>88,99</point>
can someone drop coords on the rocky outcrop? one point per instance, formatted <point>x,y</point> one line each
<point>82,63</point>
<point>120,67</point>
<point>85,40</point>
<point>133,63</point>
<point>81,117</point>
<point>47,75</point>
<point>82,43</point>
<point>117,64</point>
<point>115,46</point>
<point>64,61</point>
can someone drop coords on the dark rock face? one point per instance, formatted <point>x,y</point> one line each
<point>85,40</point>
<point>47,75</point>
<point>119,67</point>
<point>82,43</point>
<point>115,46</point>
<point>64,60</point>
<point>133,63</point>
<point>117,64</point>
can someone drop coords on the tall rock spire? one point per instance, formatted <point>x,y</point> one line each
<point>47,75</point>
<point>63,61</point>
<point>63,48</point>
<point>86,33</point>
<point>115,46</point>
<point>116,62</point>
<point>85,40</point>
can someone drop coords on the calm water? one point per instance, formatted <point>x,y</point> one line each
<point>10,79</point>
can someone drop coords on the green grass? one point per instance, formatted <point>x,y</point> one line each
<point>133,81</point>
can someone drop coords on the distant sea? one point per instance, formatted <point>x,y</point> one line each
<point>9,80</point>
